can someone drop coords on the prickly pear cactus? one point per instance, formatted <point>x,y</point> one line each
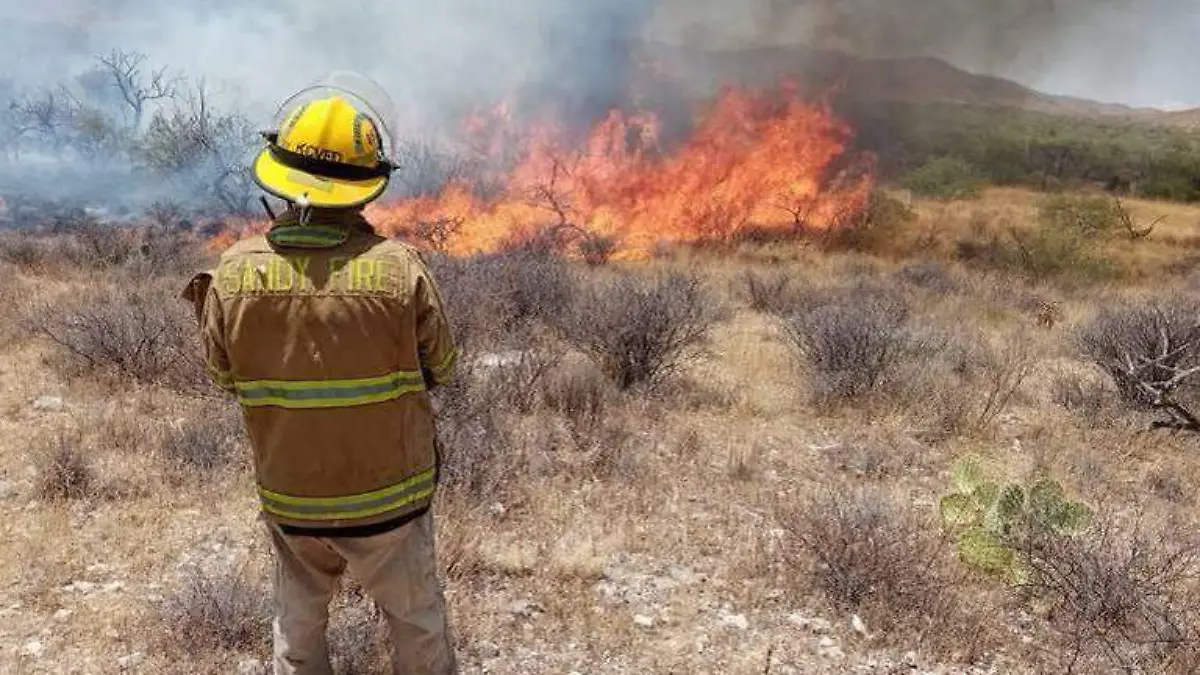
<point>987,518</point>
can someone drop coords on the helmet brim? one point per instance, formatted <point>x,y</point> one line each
<point>292,185</point>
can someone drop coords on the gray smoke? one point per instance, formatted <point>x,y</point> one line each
<point>1140,52</point>
<point>442,60</point>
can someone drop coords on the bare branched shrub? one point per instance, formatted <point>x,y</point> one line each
<point>767,292</point>
<point>1006,369</point>
<point>142,333</point>
<point>1078,393</point>
<point>491,295</point>
<point>476,452</point>
<point>1151,349</point>
<point>64,470</point>
<point>873,555</point>
<point>1121,599</point>
<point>581,398</point>
<point>596,249</point>
<point>23,250</point>
<point>216,609</point>
<point>639,330</point>
<point>207,440</point>
<point>848,339</point>
<point>929,275</point>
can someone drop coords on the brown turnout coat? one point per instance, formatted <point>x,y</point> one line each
<point>329,336</point>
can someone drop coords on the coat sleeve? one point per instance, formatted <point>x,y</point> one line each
<point>435,343</point>
<point>203,296</point>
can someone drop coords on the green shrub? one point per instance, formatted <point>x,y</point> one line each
<point>871,230</point>
<point>944,178</point>
<point>1080,215</point>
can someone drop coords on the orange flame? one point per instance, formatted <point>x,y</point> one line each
<point>765,161</point>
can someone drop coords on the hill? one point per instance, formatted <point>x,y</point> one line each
<point>909,80</point>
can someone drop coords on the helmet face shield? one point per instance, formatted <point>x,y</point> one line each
<point>359,91</point>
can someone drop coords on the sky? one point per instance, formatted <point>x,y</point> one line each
<point>436,57</point>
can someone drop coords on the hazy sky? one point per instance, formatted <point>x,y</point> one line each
<point>435,55</point>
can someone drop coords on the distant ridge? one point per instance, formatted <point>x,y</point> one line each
<point>914,80</point>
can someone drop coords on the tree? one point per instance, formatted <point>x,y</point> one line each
<point>136,86</point>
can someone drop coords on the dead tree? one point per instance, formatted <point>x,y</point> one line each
<point>1158,376</point>
<point>136,87</point>
<point>1135,233</point>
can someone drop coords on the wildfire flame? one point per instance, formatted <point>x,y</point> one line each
<point>767,161</point>
<point>761,160</point>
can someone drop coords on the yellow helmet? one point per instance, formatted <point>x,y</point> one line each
<point>327,153</point>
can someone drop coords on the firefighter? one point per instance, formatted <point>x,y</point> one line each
<point>330,337</point>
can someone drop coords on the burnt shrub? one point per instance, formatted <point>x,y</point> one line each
<point>216,610</point>
<point>638,329</point>
<point>65,472</point>
<point>1164,330</point>
<point>207,440</point>
<point>1118,599</point>
<point>848,339</point>
<point>138,332</point>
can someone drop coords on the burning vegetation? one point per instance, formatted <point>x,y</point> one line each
<point>754,160</point>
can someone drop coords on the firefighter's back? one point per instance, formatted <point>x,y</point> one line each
<point>322,328</point>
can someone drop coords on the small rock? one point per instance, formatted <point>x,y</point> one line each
<point>826,643</point>
<point>113,587</point>
<point>815,626</point>
<point>910,659</point>
<point>62,615</point>
<point>487,649</point>
<point>497,509</point>
<point>33,648</point>
<point>643,621</point>
<point>682,575</point>
<point>737,621</point>
<point>524,608</point>
<point>250,667</point>
<point>80,587</point>
<point>7,489</point>
<point>859,626</point>
<point>49,404</point>
<point>131,661</point>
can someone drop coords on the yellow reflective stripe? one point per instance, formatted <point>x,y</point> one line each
<point>385,499</point>
<point>298,385</point>
<point>349,515</point>
<point>305,394</point>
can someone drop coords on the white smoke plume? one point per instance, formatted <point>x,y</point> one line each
<point>441,60</point>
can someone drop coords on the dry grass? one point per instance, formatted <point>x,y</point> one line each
<point>686,527</point>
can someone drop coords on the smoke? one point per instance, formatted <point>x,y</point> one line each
<point>441,60</point>
<point>1128,51</point>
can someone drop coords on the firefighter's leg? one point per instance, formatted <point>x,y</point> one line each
<point>399,570</point>
<point>306,575</point>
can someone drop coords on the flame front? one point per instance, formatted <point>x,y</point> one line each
<point>764,161</point>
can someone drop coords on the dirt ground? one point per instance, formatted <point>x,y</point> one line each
<point>674,540</point>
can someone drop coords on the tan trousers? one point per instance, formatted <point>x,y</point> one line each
<point>397,569</point>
